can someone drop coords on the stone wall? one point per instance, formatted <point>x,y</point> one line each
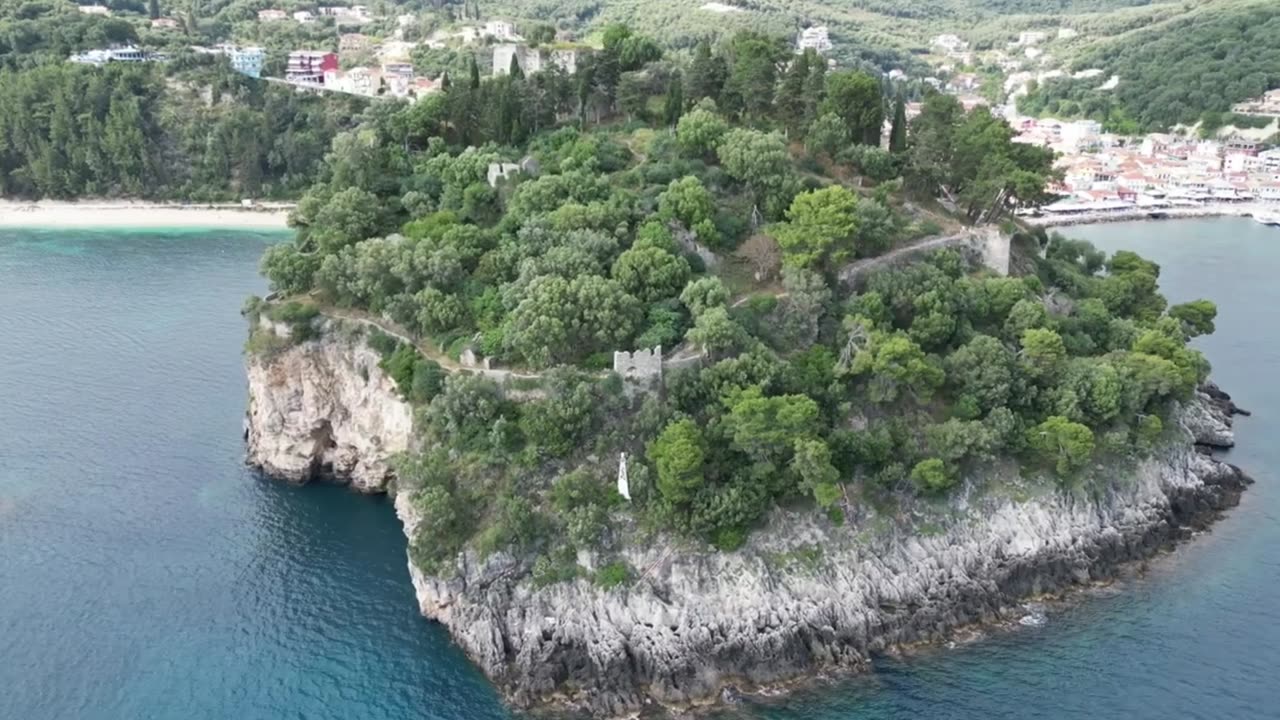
<point>641,365</point>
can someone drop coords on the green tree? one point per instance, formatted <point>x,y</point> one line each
<point>1068,445</point>
<point>651,273</point>
<point>819,229</point>
<point>930,476</point>
<point>753,72</point>
<point>1196,316</point>
<point>893,363</point>
<point>767,428</point>
<point>704,294</point>
<point>716,332</point>
<point>855,98</point>
<point>1043,352</point>
<point>757,159</point>
<point>678,455</point>
<point>812,463</point>
<point>898,133</point>
<point>707,74</point>
<point>701,130</point>
<point>673,105</point>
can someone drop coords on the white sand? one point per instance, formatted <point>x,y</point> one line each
<point>107,214</point>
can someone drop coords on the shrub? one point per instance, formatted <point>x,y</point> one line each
<point>613,574</point>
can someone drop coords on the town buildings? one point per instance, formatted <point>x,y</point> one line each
<point>814,38</point>
<point>101,10</point>
<point>310,66</point>
<point>353,42</point>
<point>247,60</point>
<point>165,23</point>
<point>353,15</point>
<point>125,54</point>
<point>271,15</point>
<point>1163,171</point>
<point>1268,104</point>
<point>304,16</point>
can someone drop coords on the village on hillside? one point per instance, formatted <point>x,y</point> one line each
<point>391,74</point>
<point>1103,172</point>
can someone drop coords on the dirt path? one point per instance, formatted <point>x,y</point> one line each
<point>427,351</point>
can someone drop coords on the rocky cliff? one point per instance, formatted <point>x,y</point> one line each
<point>323,409</point>
<point>803,596</point>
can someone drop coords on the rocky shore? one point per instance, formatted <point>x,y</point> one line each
<point>802,597</point>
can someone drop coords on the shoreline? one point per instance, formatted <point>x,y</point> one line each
<point>121,214</point>
<point>1139,214</point>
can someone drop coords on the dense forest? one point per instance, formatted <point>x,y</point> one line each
<point>1175,71</point>
<point>714,223</point>
<point>71,130</point>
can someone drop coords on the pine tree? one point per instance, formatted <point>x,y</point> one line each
<point>674,106</point>
<point>815,90</point>
<point>898,135</point>
<point>706,74</point>
<point>790,101</point>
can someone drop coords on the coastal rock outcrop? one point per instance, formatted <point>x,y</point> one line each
<point>324,409</point>
<point>802,597</point>
<point>805,596</point>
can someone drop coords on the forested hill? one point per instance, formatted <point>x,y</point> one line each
<point>700,228</point>
<point>72,130</point>
<point>1176,70</point>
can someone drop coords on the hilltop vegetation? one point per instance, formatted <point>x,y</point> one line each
<point>805,393</point>
<point>1176,71</point>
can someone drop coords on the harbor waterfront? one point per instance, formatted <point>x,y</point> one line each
<point>145,572</point>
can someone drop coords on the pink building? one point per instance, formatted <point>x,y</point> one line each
<point>310,66</point>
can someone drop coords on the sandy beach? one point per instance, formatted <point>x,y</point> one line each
<point>106,214</point>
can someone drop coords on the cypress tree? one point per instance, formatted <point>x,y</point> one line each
<point>514,71</point>
<point>674,107</point>
<point>153,9</point>
<point>475,74</point>
<point>444,81</point>
<point>898,135</point>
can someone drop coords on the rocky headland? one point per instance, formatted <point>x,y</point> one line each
<point>802,596</point>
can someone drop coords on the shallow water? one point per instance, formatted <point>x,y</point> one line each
<point>146,573</point>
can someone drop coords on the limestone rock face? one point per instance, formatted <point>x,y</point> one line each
<point>324,409</point>
<point>805,596</point>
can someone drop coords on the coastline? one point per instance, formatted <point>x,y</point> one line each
<point>116,214</point>
<point>1184,213</point>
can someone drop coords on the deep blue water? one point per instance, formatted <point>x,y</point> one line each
<point>145,573</point>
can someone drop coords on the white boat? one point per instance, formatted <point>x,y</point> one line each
<point>1272,219</point>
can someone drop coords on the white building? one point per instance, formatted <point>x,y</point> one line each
<point>1066,33</point>
<point>304,16</point>
<point>1080,133</point>
<point>95,9</point>
<point>950,43</point>
<point>814,38</point>
<point>500,30</point>
<point>1031,37</point>
<point>271,15</point>
<point>127,54</point>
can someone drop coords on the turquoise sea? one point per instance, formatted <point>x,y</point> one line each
<point>146,573</point>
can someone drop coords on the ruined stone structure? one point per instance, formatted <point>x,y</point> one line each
<point>639,366</point>
<point>501,171</point>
